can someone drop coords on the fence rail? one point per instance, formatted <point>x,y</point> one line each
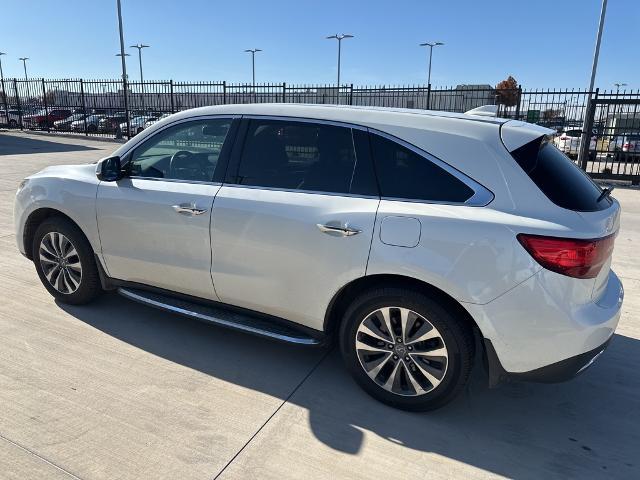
<point>610,120</point>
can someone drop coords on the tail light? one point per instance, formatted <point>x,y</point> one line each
<point>573,257</point>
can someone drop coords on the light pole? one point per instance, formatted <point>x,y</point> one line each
<point>124,65</point>
<point>618,85</point>
<point>24,64</point>
<point>253,51</point>
<point>339,38</point>
<point>140,46</point>
<point>430,45</point>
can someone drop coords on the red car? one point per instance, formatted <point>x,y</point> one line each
<point>42,119</point>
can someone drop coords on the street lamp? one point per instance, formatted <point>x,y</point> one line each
<point>253,51</point>
<point>339,38</point>
<point>618,85</point>
<point>140,46</point>
<point>430,45</point>
<point>24,64</point>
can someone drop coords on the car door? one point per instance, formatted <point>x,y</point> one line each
<point>154,223</point>
<point>294,221</point>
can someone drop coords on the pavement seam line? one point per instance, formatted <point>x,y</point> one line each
<point>293,392</point>
<point>49,462</point>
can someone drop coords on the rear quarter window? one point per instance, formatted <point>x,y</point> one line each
<point>403,174</point>
<point>561,180</point>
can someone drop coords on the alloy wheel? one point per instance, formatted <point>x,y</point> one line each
<point>60,262</point>
<point>401,351</point>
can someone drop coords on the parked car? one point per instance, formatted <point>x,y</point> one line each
<point>65,125</point>
<point>136,125</point>
<point>90,123</point>
<point>45,118</point>
<point>148,123</point>
<point>12,120</point>
<point>627,143</point>
<point>569,140</point>
<point>110,123</point>
<point>409,238</point>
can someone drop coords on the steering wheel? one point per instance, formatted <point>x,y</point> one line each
<point>175,159</point>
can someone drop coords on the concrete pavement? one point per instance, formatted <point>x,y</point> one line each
<point>120,391</point>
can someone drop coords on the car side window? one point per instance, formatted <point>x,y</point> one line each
<point>404,174</point>
<point>297,155</point>
<point>187,151</point>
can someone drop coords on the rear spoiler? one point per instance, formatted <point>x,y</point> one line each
<point>515,133</point>
<point>484,111</point>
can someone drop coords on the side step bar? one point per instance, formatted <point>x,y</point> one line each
<point>223,317</point>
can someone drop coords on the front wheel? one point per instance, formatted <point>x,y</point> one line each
<point>406,349</point>
<point>65,262</point>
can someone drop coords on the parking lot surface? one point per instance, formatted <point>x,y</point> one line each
<point>116,390</point>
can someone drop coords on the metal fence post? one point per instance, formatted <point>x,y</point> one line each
<point>351,95</point>
<point>224,92</point>
<point>429,96</point>
<point>46,108</point>
<point>284,92</point>
<point>587,128</point>
<point>15,89</point>
<point>84,107</point>
<point>173,102</point>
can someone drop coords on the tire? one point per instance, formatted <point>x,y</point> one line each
<point>78,282</point>
<point>449,371</point>
<point>140,129</point>
<point>92,128</point>
<point>13,124</point>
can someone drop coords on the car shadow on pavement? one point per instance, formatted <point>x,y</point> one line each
<point>22,145</point>
<point>586,428</point>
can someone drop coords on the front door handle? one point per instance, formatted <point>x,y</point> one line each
<point>188,209</point>
<point>338,230</point>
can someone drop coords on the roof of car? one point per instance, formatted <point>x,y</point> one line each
<point>345,113</point>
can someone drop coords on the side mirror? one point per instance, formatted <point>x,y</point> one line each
<point>109,170</point>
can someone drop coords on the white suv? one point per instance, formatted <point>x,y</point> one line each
<point>415,239</point>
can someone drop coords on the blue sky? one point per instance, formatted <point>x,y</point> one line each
<point>542,43</point>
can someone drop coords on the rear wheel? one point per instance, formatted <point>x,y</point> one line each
<point>406,349</point>
<point>13,124</point>
<point>65,262</point>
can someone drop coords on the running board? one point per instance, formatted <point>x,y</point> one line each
<point>221,316</point>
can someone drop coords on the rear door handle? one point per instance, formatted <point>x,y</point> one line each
<point>338,230</point>
<point>189,209</point>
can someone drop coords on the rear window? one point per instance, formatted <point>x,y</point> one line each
<point>561,180</point>
<point>573,133</point>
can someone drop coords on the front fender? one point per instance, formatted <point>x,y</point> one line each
<point>71,192</point>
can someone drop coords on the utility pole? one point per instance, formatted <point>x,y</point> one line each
<point>4,92</point>
<point>124,66</point>
<point>339,38</point>
<point>585,138</point>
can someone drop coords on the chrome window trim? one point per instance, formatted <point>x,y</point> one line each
<point>305,120</point>
<point>175,180</point>
<point>297,190</point>
<point>481,197</point>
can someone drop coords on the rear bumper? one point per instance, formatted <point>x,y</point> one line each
<point>556,372</point>
<point>541,331</point>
